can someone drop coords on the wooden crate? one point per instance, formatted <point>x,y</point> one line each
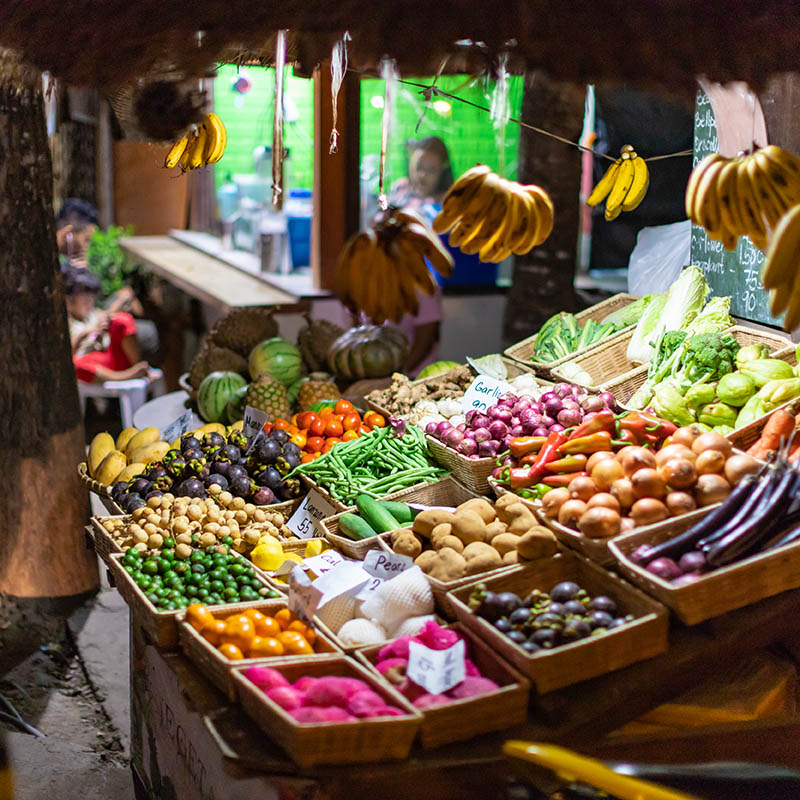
<point>104,542</point>
<point>644,637</point>
<point>521,352</point>
<point>378,739</point>
<point>215,666</point>
<point>717,592</point>
<point>464,719</point>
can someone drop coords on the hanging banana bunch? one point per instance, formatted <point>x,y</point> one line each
<point>380,269</point>
<point>203,146</point>
<point>493,217</point>
<point>746,195</point>
<point>624,185</point>
<point>781,271</point>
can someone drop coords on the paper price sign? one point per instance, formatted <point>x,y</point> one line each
<point>323,563</point>
<point>386,565</point>
<point>483,393</point>
<point>304,522</point>
<point>179,426</point>
<point>253,425</point>
<point>436,670</point>
<point>346,577</point>
<point>304,597</point>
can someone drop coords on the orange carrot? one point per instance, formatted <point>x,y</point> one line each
<point>779,426</point>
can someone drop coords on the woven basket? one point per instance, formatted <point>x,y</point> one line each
<point>644,637</point>
<point>460,720</point>
<point>160,626</point>
<point>446,492</point>
<point>216,667</point>
<point>100,489</point>
<point>104,543</point>
<point>745,437</point>
<point>366,740</point>
<point>474,473</point>
<point>722,590</point>
<point>521,352</point>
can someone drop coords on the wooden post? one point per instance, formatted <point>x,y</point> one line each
<point>336,176</point>
<point>45,505</point>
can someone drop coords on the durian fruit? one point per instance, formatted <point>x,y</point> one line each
<point>315,340</point>
<point>314,387</point>
<point>243,329</point>
<point>210,358</point>
<point>269,396</point>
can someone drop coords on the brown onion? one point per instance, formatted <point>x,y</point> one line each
<point>648,483</point>
<point>687,435</point>
<point>582,488</point>
<point>626,524</point>
<point>598,456</point>
<point>680,503</point>
<point>553,500</point>
<point>605,472</point>
<point>710,461</point>
<point>674,451</point>
<point>711,489</point>
<point>604,500</point>
<point>678,473</point>
<point>623,491</point>
<point>712,441</point>
<point>738,466</point>
<point>648,510</point>
<point>636,458</point>
<point>599,523</point>
<point>571,512</point>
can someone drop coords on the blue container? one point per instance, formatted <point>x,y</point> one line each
<point>299,209</point>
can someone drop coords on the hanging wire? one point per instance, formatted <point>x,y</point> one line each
<point>388,72</point>
<point>277,122</point>
<point>500,111</point>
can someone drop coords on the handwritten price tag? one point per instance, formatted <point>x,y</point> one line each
<point>253,425</point>
<point>346,577</point>
<point>323,563</point>
<point>304,597</point>
<point>304,521</point>
<point>483,392</point>
<point>179,426</point>
<point>386,565</point>
<point>436,670</point>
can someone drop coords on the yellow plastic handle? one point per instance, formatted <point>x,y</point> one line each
<point>575,768</point>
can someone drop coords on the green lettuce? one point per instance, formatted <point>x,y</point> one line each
<point>629,315</point>
<point>647,330</point>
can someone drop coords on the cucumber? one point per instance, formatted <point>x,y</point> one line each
<point>375,514</point>
<point>353,527</point>
<point>400,511</point>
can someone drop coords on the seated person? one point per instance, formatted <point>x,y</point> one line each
<point>429,177</point>
<point>104,346</point>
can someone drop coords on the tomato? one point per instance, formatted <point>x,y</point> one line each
<point>352,422</point>
<point>294,420</point>
<point>329,443</point>
<point>326,412</point>
<point>306,458</point>
<point>315,456</point>
<point>265,646</point>
<point>281,425</point>
<point>314,444</point>
<point>306,419</point>
<point>333,427</point>
<point>364,429</point>
<point>348,436</point>
<point>299,439</point>
<point>343,407</point>
<point>375,420</point>
<point>317,427</point>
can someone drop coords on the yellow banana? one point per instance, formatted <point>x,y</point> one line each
<point>187,151</point>
<point>786,161</point>
<point>517,221</point>
<point>729,199</point>
<point>706,200</point>
<point>694,180</point>
<point>361,255</point>
<point>604,185</point>
<point>415,265</point>
<point>199,146</point>
<point>534,223</point>
<point>464,232</point>
<point>792,319</point>
<point>783,186</point>
<point>175,153</point>
<point>495,215</point>
<point>478,205</point>
<point>218,138</point>
<point>621,187</point>
<point>749,209</point>
<point>759,183</point>
<point>405,278</point>
<point>408,215</point>
<point>430,247</point>
<point>779,299</point>
<point>458,197</point>
<point>545,211</point>
<point>783,258</point>
<point>641,182</point>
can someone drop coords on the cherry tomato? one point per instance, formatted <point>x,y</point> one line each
<point>299,439</point>
<point>306,458</point>
<point>364,429</point>
<point>343,407</point>
<point>375,420</point>
<point>306,419</point>
<point>326,412</point>
<point>281,425</point>
<point>317,427</point>
<point>294,420</point>
<point>352,422</point>
<point>329,443</point>
<point>333,428</point>
<point>348,436</point>
<point>314,444</point>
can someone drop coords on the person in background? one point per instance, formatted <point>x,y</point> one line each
<point>104,346</point>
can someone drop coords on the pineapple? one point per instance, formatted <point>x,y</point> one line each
<point>268,395</point>
<point>317,386</point>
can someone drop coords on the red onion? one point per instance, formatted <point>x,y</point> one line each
<point>481,435</point>
<point>498,429</point>
<point>578,392</point>
<point>556,428</point>
<point>693,561</point>
<point>563,389</point>
<point>540,431</point>
<point>516,430</point>
<point>470,415</point>
<point>507,460</point>
<point>590,415</point>
<point>453,438</point>
<point>530,417</point>
<point>686,579</point>
<point>501,413</point>
<point>664,568</point>
<point>569,417</point>
<point>473,457</point>
<point>508,401</point>
<point>432,428</point>
<point>592,403</point>
<point>467,447</point>
<point>480,421</point>
<point>547,421</point>
<point>521,405</point>
<point>442,428</point>
<point>548,396</point>
<point>514,421</point>
<point>496,472</point>
<point>552,407</point>
<point>640,554</point>
<point>462,426</point>
<point>487,450</point>
<point>506,442</point>
<point>609,399</point>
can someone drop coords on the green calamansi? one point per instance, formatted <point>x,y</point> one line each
<point>669,403</point>
<point>735,389</point>
<point>776,393</point>
<point>716,414</point>
<point>699,395</point>
<point>764,370</point>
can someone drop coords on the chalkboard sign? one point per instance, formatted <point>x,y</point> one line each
<point>728,272</point>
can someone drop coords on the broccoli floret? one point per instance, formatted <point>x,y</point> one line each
<point>707,357</point>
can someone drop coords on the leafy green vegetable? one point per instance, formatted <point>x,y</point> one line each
<point>648,329</point>
<point>629,315</point>
<point>715,316</point>
<point>109,261</point>
<point>735,389</point>
<point>491,365</point>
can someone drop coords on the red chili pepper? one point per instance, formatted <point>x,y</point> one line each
<point>523,445</point>
<point>557,481</point>
<point>574,463</point>
<point>520,478</point>
<point>601,421</point>
<point>628,436</point>
<point>593,443</point>
<point>641,423</point>
<point>528,476</point>
<point>528,460</point>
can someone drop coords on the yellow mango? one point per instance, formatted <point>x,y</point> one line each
<point>146,436</point>
<point>313,547</point>
<point>267,556</point>
<point>130,471</point>
<point>125,437</point>
<point>101,446</point>
<point>211,427</point>
<point>237,426</point>
<point>149,452</point>
<point>111,466</point>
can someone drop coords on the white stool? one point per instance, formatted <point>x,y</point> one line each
<point>131,394</point>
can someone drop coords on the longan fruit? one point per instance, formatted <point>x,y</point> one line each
<point>155,541</point>
<point>225,497</point>
<point>207,539</point>
<point>182,551</point>
<point>154,502</point>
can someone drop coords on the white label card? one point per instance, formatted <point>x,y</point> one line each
<point>346,577</point>
<point>483,393</point>
<point>305,521</point>
<point>386,565</point>
<point>304,597</point>
<point>436,670</point>
<point>253,424</point>
<point>323,563</point>
<point>179,426</point>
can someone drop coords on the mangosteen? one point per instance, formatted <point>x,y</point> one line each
<point>232,453</point>
<point>170,456</point>
<point>154,470</point>
<point>564,591</point>
<point>191,487</point>
<point>203,472</point>
<point>240,486</point>
<point>238,438</point>
<point>194,452</point>
<point>212,439</point>
<point>220,468</point>
<point>615,623</point>
<point>502,625</point>
<point>290,489</point>
<point>177,467</point>
<point>576,629</point>
<point>213,478</point>
<point>212,453</point>
<point>557,608</point>
<point>154,493</point>
<point>291,449</point>
<point>189,442</point>
<point>270,477</point>
<point>263,496</point>
<point>530,647</point>
<point>286,463</point>
<point>517,637</point>
<point>164,483</point>
<point>575,607</point>
<point>267,451</point>
<point>140,485</point>
<point>196,465</point>
<point>281,437</point>
<point>236,471</point>
<point>603,603</point>
<point>545,637</point>
<point>130,501</point>
<point>547,620</point>
<point>520,616</point>
<point>118,489</point>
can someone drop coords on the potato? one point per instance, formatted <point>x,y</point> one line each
<point>495,528</point>
<point>424,559</point>
<point>483,508</point>
<point>481,557</point>
<point>406,543</point>
<point>505,542</point>
<point>511,557</point>
<point>502,505</point>
<point>446,565</point>
<point>450,541</point>
<point>538,542</point>
<point>427,520</point>
<point>469,526</point>
<point>522,520</point>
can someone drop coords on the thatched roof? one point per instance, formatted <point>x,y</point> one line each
<point>658,42</point>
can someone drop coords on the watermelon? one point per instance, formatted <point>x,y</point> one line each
<point>215,392</point>
<point>234,410</point>
<point>278,358</point>
<point>437,368</point>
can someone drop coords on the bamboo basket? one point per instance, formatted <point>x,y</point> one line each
<point>308,744</point>
<point>474,473</point>
<point>521,352</point>
<point>216,667</point>
<point>160,626</point>
<point>717,592</point>
<point>464,719</point>
<point>643,638</point>
<point>100,489</point>
<point>745,437</point>
<point>104,543</point>
<point>445,492</point>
